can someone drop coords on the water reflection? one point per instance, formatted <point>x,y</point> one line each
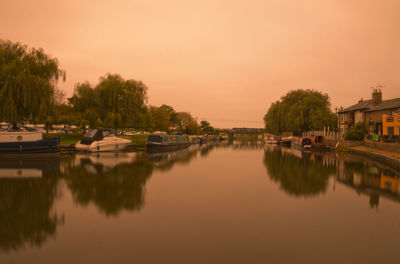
<point>28,188</point>
<point>113,183</point>
<point>247,145</point>
<point>307,173</point>
<point>369,177</point>
<point>299,173</point>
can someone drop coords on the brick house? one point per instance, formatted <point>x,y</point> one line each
<point>369,112</point>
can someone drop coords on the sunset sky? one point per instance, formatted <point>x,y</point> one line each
<point>224,61</point>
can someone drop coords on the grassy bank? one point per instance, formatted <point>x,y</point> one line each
<point>65,139</point>
<point>139,140</point>
<point>68,139</point>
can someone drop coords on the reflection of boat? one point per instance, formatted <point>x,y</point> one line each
<point>103,162</point>
<point>19,142</point>
<point>101,140</point>
<point>309,142</point>
<point>166,142</point>
<point>106,160</point>
<point>27,167</point>
<point>286,138</point>
<point>271,139</point>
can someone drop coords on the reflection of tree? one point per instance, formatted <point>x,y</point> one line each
<point>25,206</point>
<point>297,176</point>
<point>111,190</point>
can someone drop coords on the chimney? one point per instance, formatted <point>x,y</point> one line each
<point>360,100</point>
<point>376,96</point>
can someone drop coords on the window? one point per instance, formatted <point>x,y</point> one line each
<point>358,117</point>
<point>343,118</point>
<point>389,118</point>
<point>390,130</point>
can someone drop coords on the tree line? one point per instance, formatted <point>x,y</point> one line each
<point>29,94</point>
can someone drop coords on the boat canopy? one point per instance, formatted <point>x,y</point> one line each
<point>95,135</point>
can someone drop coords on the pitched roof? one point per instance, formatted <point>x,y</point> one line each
<point>369,106</point>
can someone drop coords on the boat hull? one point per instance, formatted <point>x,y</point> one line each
<point>160,147</point>
<point>43,146</point>
<point>101,146</point>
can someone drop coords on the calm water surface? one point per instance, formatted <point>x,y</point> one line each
<point>240,203</point>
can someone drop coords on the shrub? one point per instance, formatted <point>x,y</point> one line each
<point>357,133</point>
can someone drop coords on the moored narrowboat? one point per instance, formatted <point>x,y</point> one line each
<point>309,143</point>
<point>27,142</point>
<point>160,143</point>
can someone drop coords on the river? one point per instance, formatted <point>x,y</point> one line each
<point>221,203</point>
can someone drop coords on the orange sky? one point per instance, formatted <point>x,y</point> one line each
<point>224,61</point>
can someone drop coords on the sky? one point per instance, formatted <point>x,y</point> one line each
<point>224,61</point>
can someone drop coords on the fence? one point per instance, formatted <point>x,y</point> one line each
<point>328,134</point>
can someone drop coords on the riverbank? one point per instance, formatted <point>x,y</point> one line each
<point>388,158</point>
<point>68,140</point>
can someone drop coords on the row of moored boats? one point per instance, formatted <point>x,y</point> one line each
<point>19,141</point>
<point>304,143</point>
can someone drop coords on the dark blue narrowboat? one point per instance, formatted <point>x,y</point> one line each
<point>27,142</point>
<point>158,143</point>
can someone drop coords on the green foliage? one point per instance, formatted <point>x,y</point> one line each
<point>113,102</point>
<point>300,110</point>
<point>65,139</point>
<point>187,124</point>
<point>357,133</point>
<point>159,118</point>
<point>206,127</point>
<point>138,140</point>
<point>28,78</point>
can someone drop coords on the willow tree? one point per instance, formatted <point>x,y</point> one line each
<point>28,78</point>
<point>113,102</point>
<point>300,110</point>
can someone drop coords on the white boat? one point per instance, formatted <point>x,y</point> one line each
<point>101,140</point>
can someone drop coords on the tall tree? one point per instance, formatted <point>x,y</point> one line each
<point>206,127</point>
<point>114,101</point>
<point>28,78</point>
<point>187,124</point>
<point>300,110</point>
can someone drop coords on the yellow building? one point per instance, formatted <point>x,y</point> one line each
<point>391,124</point>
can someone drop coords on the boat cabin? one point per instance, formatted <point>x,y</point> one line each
<point>167,139</point>
<point>95,135</point>
<point>317,142</point>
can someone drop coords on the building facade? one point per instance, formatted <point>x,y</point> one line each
<point>368,112</point>
<point>391,125</point>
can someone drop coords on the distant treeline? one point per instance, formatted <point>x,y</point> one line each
<point>29,94</point>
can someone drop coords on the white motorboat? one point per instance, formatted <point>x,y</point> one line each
<point>101,140</point>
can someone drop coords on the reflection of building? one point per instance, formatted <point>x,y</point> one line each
<point>369,177</point>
